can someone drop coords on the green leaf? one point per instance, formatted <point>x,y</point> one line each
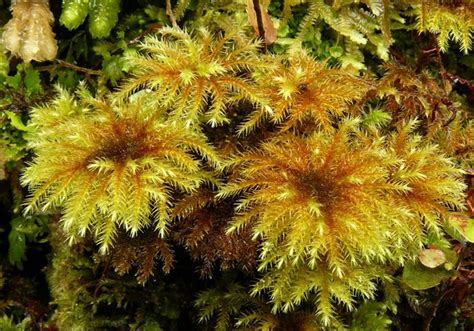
<point>103,16</point>
<point>336,51</point>
<point>419,277</point>
<point>103,49</point>
<point>453,232</point>
<point>113,68</point>
<point>284,31</point>
<point>25,229</point>
<point>462,224</point>
<point>370,316</point>
<point>74,13</point>
<point>16,121</point>
<point>32,81</point>
<point>17,243</point>
<point>14,81</point>
<point>451,256</point>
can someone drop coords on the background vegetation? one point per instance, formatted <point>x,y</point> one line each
<point>221,165</point>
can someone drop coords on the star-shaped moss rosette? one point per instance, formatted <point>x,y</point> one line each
<point>108,165</point>
<point>338,202</point>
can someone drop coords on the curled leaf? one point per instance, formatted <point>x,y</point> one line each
<point>432,257</point>
<point>259,16</point>
<point>463,224</point>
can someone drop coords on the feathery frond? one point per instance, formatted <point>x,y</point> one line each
<point>196,75</point>
<point>458,141</point>
<point>229,306</point>
<point>410,95</point>
<point>449,20</point>
<point>141,251</point>
<point>364,23</point>
<point>433,180</point>
<point>306,90</point>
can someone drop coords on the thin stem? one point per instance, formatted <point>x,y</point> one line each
<point>261,29</point>
<point>74,67</point>
<point>427,324</point>
<point>169,12</point>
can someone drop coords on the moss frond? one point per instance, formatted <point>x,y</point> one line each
<point>458,141</point>
<point>141,252</point>
<point>363,23</point>
<point>449,20</point>
<point>229,306</point>
<point>305,90</point>
<point>200,227</point>
<point>109,165</point>
<point>196,75</point>
<point>410,95</point>
<point>434,181</point>
<point>180,8</point>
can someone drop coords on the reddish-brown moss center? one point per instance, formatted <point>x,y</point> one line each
<point>128,140</point>
<point>323,188</point>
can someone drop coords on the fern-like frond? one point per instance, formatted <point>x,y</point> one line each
<point>291,285</point>
<point>142,252</point>
<point>434,181</point>
<point>349,19</point>
<point>458,141</point>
